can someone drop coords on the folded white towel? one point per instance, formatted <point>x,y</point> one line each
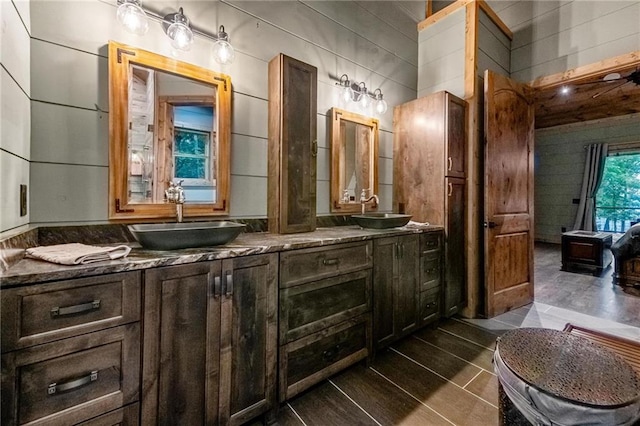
<point>77,254</point>
<point>418,225</point>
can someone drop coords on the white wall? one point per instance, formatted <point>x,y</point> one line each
<point>371,41</point>
<point>559,167</point>
<point>15,113</point>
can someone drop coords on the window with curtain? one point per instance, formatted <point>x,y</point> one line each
<point>618,199</point>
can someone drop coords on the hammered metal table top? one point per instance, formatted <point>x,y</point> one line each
<point>569,367</point>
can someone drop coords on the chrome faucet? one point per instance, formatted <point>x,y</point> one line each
<point>175,194</point>
<point>364,199</point>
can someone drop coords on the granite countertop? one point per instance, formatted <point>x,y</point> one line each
<point>31,271</point>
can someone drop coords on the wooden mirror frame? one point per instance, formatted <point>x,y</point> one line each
<point>337,116</point>
<point>120,57</point>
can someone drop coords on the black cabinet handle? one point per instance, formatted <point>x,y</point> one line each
<point>70,385</point>
<point>82,308</point>
<point>329,262</point>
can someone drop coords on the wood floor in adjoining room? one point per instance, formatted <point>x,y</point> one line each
<point>443,375</point>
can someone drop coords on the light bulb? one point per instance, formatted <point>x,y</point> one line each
<point>365,101</point>
<point>381,106</point>
<point>346,94</point>
<point>179,32</point>
<point>132,17</point>
<point>223,52</point>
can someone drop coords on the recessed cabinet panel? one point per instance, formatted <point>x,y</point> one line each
<point>293,145</point>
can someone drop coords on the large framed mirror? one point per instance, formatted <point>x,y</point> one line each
<point>169,121</point>
<point>354,160</point>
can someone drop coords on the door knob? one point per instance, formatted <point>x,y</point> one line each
<point>489,224</point>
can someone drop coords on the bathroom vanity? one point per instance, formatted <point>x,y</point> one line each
<point>192,336</point>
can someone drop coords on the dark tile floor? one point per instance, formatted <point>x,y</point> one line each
<point>443,375</point>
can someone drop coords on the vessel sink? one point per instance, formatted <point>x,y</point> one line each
<point>171,236</point>
<point>381,220</point>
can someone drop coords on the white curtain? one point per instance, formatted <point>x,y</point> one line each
<point>593,169</point>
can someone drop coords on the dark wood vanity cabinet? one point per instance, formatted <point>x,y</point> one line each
<point>429,175</point>
<point>396,288</point>
<point>71,351</point>
<point>430,277</point>
<point>210,341</point>
<point>325,313</point>
<point>293,146</point>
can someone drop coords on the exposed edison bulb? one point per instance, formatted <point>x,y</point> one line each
<point>223,52</point>
<point>365,101</point>
<point>381,106</point>
<point>346,94</point>
<point>132,17</point>
<point>179,31</point>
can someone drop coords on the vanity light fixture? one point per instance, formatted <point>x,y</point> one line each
<point>135,19</point>
<point>359,94</point>
<point>132,17</point>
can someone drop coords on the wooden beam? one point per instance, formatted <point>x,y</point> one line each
<point>470,49</point>
<point>429,9</point>
<point>586,71</point>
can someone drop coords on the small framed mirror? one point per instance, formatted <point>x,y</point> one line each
<point>169,121</point>
<point>354,160</point>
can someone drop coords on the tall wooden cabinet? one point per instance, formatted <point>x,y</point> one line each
<point>293,146</point>
<point>210,341</point>
<point>430,179</point>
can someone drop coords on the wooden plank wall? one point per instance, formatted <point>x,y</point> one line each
<point>15,89</point>
<point>441,56</point>
<point>69,74</point>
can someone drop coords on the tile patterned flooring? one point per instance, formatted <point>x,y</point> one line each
<point>443,375</point>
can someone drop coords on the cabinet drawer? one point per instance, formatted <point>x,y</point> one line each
<point>125,416</point>
<point>72,380</point>
<point>430,270</point>
<point>312,359</point>
<point>312,307</point>
<point>299,266</point>
<point>429,306</point>
<point>46,312</point>
<point>430,241</point>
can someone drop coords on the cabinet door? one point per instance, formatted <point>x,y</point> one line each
<point>407,287</point>
<point>248,352</point>
<point>181,345</point>
<point>293,145</point>
<point>455,117</point>
<point>455,271</point>
<point>385,270</point>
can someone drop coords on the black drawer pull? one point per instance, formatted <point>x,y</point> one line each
<point>432,270</point>
<point>75,309</point>
<point>329,262</point>
<point>330,355</point>
<point>72,384</point>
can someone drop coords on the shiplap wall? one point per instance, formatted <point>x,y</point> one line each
<point>441,56</point>
<point>560,158</point>
<point>375,42</point>
<point>15,87</point>
<point>554,36</point>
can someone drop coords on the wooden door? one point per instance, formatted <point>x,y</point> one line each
<point>508,197</point>
<point>249,339</point>
<point>455,259</point>
<point>180,364</point>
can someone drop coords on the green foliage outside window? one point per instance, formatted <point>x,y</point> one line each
<point>618,199</point>
<point>191,154</point>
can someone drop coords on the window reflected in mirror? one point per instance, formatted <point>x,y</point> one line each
<point>169,123</point>
<point>354,160</point>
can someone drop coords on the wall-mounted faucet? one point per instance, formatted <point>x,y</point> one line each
<point>175,194</point>
<point>364,199</point>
